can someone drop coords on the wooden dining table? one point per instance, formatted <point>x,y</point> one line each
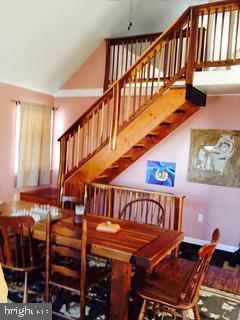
<point>135,244</point>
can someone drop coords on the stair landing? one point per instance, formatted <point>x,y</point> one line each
<point>41,196</point>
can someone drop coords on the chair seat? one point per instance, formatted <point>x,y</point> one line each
<point>175,283</point>
<point>167,281</point>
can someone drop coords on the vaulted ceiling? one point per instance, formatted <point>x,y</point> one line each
<point>43,42</point>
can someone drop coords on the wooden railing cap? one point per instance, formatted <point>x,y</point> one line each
<point>111,186</point>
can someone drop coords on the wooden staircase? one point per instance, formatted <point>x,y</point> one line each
<point>146,103</point>
<point>149,131</point>
<point>170,123</point>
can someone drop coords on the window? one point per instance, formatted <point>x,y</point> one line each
<point>33,144</point>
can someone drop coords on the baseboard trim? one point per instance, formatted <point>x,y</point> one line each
<point>220,246</point>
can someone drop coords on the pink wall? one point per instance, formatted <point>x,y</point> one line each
<point>91,72</point>
<point>90,75</point>
<point>219,205</point>
<point>7,133</point>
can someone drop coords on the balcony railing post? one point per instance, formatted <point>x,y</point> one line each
<point>178,211</point>
<point>110,202</point>
<point>192,45</point>
<point>107,64</point>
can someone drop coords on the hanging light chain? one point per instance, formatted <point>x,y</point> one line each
<point>130,14</point>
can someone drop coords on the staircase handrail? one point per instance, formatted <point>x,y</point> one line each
<point>178,51</point>
<point>128,72</point>
<point>220,5</point>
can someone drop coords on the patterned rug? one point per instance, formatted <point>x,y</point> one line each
<point>216,304</point>
<point>213,304</point>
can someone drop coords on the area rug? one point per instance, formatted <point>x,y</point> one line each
<point>216,304</point>
<point>213,304</point>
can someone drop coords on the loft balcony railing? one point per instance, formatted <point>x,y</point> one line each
<point>204,36</point>
<point>122,52</point>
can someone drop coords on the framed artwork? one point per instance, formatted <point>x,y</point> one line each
<point>214,157</point>
<point>161,173</point>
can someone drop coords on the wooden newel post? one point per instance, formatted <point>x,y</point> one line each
<point>178,210</point>
<point>115,119</point>
<point>62,168</point>
<point>192,45</point>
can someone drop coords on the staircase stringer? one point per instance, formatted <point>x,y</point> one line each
<point>133,133</point>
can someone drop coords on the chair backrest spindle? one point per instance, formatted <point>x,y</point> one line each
<point>143,210</point>
<point>195,280</point>
<point>17,245</point>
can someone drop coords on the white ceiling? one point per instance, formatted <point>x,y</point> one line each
<point>43,42</point>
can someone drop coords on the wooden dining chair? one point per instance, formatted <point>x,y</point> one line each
<point>18,252</point>
<point>66,263</point>
<point>175,283</point>
<point>143,210</point>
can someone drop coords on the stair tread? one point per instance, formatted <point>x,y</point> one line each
<point>150,140</point>
<point>165,123</point>
<point>139,145</point>
<point>152,133</point>
<point>126,156</point>
<point>114,166</point>
<point>102,176</point>
<point>180,111</point>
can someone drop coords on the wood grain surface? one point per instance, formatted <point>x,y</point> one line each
<point>135,243</point>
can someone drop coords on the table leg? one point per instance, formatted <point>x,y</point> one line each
<point>120,288</point>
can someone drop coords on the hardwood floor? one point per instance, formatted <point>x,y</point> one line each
<point>223,279</point>
<point>216,276</point>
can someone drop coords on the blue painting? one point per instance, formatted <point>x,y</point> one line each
<point>161,173</point>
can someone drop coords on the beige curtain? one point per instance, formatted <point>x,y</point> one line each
<point>34,145</point>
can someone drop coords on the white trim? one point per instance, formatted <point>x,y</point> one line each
<point>19,85</point>
<point>223,94</point>
<point>98,92</point>
<point>218,82</point>
<point>17,138</point>
<point>225,77</point>
<point>220,246</point>
<point>75,93</point>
